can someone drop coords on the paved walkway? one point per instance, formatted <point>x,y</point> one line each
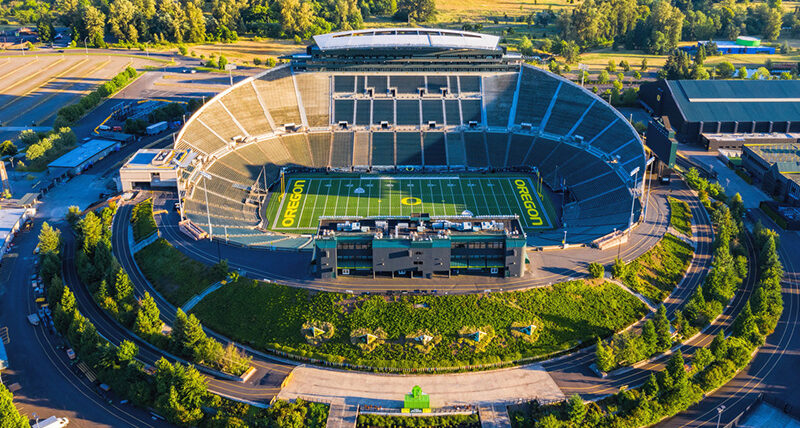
<point>341,415</point>
<point>198,297</point>
<point>507,385</point>
<point>494,415</point>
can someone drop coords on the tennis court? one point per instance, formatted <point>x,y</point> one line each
<point>309,197</point>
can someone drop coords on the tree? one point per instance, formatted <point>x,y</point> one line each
<point>416,10</point>
<point>187,333</point>
<point>649,337</point>
<point>49,240</point>
<point>725,70</point>
<point>148,320</point>
<point>8,413</point>
<point>525,46</point>
<point>661,325</point>
<point>719,346</point>
<point>121,14</point>
<point>8,148</point>
<point>702,358</point>
<point>123,288</point>
<point>596,270</point>
<point>65,309</point>
<point>611,67</point>
<point>744,326</point>
<point>643,67</point>
<point>222,62</point>
<point>91,231</point>
<point>604,357</point>
<point>603,77</point>
<point>576,409</point>
<point>94,22</point>
<point>742,73</point>
<point>126,352</point>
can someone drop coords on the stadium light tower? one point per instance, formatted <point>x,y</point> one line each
<point>207,176</point>
<point>635,175</point>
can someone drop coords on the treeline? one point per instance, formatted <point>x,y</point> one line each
<point>680,65</point>
<point>44,147</point>
<point>114,292</point>
<point>657,27</point>
<point>193,21</point>
<point>70,114</point>
<point>675,388</point>
<point>171,112</point>
<point>177,392</point>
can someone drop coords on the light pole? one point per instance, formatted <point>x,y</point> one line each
<point>720,409</point>
<point>635,175</point>
<point>207,176</point>
<point>85,45</point>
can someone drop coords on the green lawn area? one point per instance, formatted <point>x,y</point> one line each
<point>655,273</point>
<point>272,316</point>
<point>142,220</point>
<point>680,216</point>
<point>174,275</point>
<point>308,197</point>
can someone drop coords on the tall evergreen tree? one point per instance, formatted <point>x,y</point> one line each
<point>604,357</point>
<point>661,324</point>
<point>9,415</point>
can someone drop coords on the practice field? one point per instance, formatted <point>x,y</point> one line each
<point>310,197</point>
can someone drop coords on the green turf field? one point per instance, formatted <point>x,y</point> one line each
<point>309,197</point>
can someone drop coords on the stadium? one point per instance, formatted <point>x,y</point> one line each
<point>406,138</point>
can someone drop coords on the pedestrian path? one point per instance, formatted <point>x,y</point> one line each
<point>198,297</point>
<point>494,415</point>
<point>342,415</point>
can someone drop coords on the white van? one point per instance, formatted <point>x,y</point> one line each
<point>52,422</point>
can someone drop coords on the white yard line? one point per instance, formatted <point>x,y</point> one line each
<point>280,207</point>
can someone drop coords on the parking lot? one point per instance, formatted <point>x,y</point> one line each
<point>35,86</point>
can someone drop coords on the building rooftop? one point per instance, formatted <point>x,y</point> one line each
<point>786,156</point>
<point>421,227</point>
<point>9,217</point>
<point>737,100</point>
<point>405,38</point>
<point>160,159</point>
<point>77,156</point>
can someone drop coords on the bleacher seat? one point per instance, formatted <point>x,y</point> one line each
<point>298,148</point>
<point>407,85</point>
<point>379,85</point>
<point>432,111</point>
<point>382,111</point>
<point>475,147</point>
<point>363,112</point>
<point>344,84</point>
<point>470,84</point>
<point>382,148</point>
<point>456,153</point>
<point>434,148</point>
<point>277,90</point>
<point>320,144</point>
<point>535,93</point>
<point>408,112</point>
<point>342,151</point>
<point>570,104</point>
<point>452,112</point>
<point>315,93</point>
<point>242,102</point>
<point>361,149</point>
<point>518,149</point>
<point>471,111</point>
<point>498,96</point>
<point>343,111</point>
<point>409,148</point>
<point>497,144</point>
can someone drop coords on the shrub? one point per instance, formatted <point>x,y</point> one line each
<point>596,270</point>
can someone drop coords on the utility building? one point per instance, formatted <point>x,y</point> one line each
<point>420,246</point>
<point>154,168</point>
<point>697,107</point>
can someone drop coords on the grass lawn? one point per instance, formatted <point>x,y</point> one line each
<point>174,275</point>
<point>243,51</point>
<point>680,216</point>
<point>272,316</point>
<point>142,220</point>
<point>309,197</point>
<point>655,273</point>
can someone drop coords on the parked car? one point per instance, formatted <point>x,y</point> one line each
<point>71,354</point>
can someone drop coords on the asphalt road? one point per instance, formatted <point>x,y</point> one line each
<point>293,267</point>
<point>49,384</point>
<point>262,386</point>
<point>774,368</point>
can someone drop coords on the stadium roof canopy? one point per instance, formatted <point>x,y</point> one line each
<point>422,38</point>
<point>737,100</point>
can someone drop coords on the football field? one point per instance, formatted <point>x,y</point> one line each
<point>309,197</point>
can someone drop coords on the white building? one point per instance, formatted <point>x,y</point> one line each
<point>154,168</point>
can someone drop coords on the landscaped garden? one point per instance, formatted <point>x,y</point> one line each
<point>173,274</point>
<point>142,220</point>
<point>680,216</point>
<point>419,331</point>
<point>655,273</point>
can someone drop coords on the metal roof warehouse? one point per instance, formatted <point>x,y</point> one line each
<point>82,157</point>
